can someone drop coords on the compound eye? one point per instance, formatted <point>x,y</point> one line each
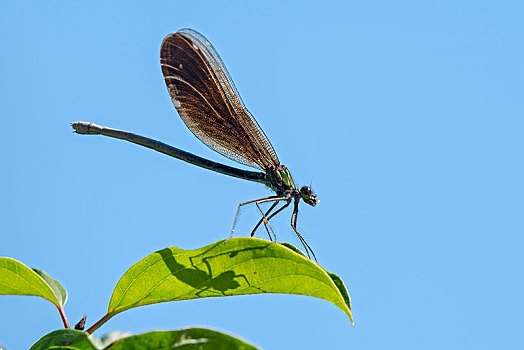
<point>306,191</point>
<point>308,196</point>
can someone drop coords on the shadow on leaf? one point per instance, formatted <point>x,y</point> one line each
<point>198,272</point>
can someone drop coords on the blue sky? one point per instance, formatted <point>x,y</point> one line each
<point>405,116</point>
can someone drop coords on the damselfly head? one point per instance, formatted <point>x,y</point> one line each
<point>308,196</point>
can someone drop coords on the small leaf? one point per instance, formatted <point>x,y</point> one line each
<point>337,280</point>
<point>186,339</point>
<point>341,288</point>
<point>69,339</point>
<point>237,266</point>
<point>18,279</point>
<point>293,248</point>
<point>58,289</point>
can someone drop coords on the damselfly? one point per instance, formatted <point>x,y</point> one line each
<point>209,104</point>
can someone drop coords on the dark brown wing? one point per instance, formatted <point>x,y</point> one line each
<point>208,102</point>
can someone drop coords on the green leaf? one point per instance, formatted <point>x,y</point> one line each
<point>337,280</point>
<point>64,339</point>
<point>58,290</point>
<point>293,248</point>
<point>18,279</point>
<point>183,339</point>
<point>236,266</point>
<point>109,338</point>
<point>342,289</point>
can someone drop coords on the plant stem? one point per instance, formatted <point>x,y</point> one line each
<point>63,316</point>
<point>99,323</point>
